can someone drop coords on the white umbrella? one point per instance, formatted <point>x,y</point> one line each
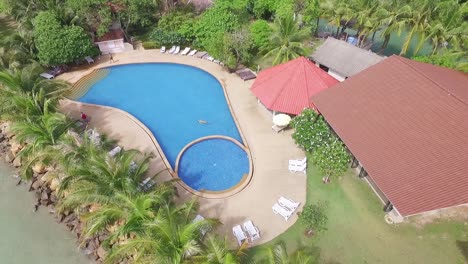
<point>281,120</point>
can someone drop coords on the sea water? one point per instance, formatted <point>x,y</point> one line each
<point>31,237</point>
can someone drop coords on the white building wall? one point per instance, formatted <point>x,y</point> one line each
<point>111,46</point>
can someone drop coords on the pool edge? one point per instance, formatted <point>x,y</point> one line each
<point>205,194</point>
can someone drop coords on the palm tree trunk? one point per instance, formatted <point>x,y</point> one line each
<point>407,42</point>
<point>317,28</point>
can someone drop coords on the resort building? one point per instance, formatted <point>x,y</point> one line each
<point>288,87</point>
<point>113,42</point>
<point>406,124</point>
<point>342,60</point>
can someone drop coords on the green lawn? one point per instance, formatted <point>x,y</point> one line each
<point>357,232</point>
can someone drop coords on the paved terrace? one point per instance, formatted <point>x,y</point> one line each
<point>270,151</point>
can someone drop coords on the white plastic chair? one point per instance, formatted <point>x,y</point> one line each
<point>252,230</point>
<point>288,203</point>
<point>285,213</point>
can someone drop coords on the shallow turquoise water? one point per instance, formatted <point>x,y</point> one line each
<point>28,237</point>
<point>179,104</point>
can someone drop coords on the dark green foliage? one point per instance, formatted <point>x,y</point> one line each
<point>331,159</point>
<point>178,22</point>
<point>311,130</point>
<point>260,32</point>
<point>151,45</point>
<point>59,44</point>
<point>164,38</point>
<point>222,17</point>
<point>264,9</point>
<point>314,216</point>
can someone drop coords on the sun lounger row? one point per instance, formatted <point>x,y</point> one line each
<point>187,51</point>
<point>176,49</point>
<point>249,232</point>
<point>285,207</point>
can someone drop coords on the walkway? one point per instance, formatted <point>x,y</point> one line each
<point>270,151</point>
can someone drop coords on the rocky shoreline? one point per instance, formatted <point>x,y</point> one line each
<point>44,185</point>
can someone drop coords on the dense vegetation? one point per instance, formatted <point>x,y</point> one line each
<point>149,226</point>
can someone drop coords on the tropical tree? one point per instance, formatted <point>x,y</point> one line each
<point>100,177</point>
<point>172,237</point>
<point>331,159</point>
<point>26,95</point>
<point>286,40</point>
<point>278,254</point>
<point>311,131</point>
<point>125,214</point>
<point>40,137</point>
<point>216,252</point>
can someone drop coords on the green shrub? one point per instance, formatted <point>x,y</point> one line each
<point>167,38</point>
<point>151,45</point>
<point>311,130</point>
<point>260,32</point>
<point>58,44</point>
<point>314,216</point>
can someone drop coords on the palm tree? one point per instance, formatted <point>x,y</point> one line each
<point>41,136</point>
<point>216,252</point>
<point>172,237</point>
<point>277,254</point>
<point>98,178</point>
<point>125,214</point>
<point>287,40</point>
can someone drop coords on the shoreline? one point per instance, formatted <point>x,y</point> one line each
<point>43,187</point>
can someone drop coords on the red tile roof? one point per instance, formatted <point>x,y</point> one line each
<point>287,87</point>
<point>407,123</point>
<point>111,35</point>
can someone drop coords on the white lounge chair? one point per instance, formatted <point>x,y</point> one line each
<point>285,213</point>
<point>114,151</point>
<point>191,53</point>
<point>298,162</point>
<point>216,61</point>
<point>47,76</point>
<point>89,59</point>
<point>252,230</point>
<point>210,58</point>
<point>163,49</point>
<point>299,168</point>
<point>172,50</point>
<point>185,51</point>
<point>239,234</point>
<point>177,50</point>
<point>288,203</point>
<point>199,218</point>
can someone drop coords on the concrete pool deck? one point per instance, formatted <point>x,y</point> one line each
<point>270,151</point>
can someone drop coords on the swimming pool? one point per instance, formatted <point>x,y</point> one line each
<point>179,104</point>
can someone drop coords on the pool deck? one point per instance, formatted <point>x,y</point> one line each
<point>270,151</point>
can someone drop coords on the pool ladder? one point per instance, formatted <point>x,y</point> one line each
<point>82,86</point>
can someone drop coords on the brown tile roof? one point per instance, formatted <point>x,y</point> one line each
<point>407,123</point>
<point>111,35</point>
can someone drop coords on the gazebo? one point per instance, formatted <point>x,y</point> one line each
<point>288,87</point>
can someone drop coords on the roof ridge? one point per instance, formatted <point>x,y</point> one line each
<point>285,66</point>
<point>428,78</point>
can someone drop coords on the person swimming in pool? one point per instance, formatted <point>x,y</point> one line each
<point>201,121</point>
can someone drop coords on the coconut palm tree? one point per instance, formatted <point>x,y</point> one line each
<point>98,178</point>
<point>40,136</point>
<point>216,252</point>
<point>277,254</point>
<point>172,237</point>
<point>125,214</point>
<point>287,40</point>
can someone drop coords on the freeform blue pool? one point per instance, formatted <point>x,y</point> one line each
<point>179,104</point>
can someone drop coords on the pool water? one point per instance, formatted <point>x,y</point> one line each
<point>179,104</point>
<point>213,165</point>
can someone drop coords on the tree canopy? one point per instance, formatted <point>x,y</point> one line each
<point>58,44</point>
